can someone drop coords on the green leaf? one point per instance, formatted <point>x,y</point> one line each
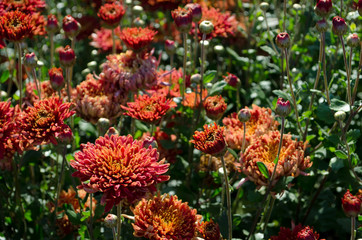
<point>263,169</point>
<point>4,76</point>
<point>235,155</point>
<point>268,50</point>
<point>283,95</point>
<point>73,217</point>
<point>325,114</point>
<point>27,216</point>
<point>339,105</point>
<point>141,126</point>
<point>340,154</point>
<point>217,87</point>
<point>353,135</point>
<point>16,97</point>
<point>336,164</point>
<point>209,76</point>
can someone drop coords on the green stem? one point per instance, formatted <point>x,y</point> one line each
<point>51,39</point>
<point>91,216</point>
<point>114,42</point>
<point>170,80</point>
<point>268,213</point>
<point>37,83</point>
<point>228,198</point>
<point>119,220</point>
<point>243,144</point>
<point>353,223</point>
<point>347,71</point>
<point>238,104</point>
<point>202,67</point>
<point>59,184</point>
<point>325,69</point>
<point>114,233</point>
<point>195,47</point>
<point>357,79</point>
<point>269,35</point>
<point>183,88</point>
<point>285,15</point>
<point>20,74</point>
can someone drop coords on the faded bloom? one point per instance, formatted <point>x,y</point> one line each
<point>182,18</point>
<point>66,56</point>
<point>322,26</point>
<point>196,11</point>
<point>210,163</point>
<point>120,167</point>
<point>291,159</point>
<point>283,40</point>
<point>232,79</point>
<point>283,107</point>
<point>15,26</point>
<point>56,78</point>
<point>260,122</point>
<point>137,38</point>
<point>353,40</point>
<point>352,205</point>
<point>149,109</point>
<point>111,14</point>
<point>71,26</point>
<point>323,8</point>
<point>102,39</point>
<point>211,140</point>
<point>164,217</point>
<point>215,107</point>
<point>339,26</point>
<point>208,230</point>
<point>52,25</point>
<point>44,122</point>
<point>297,232</point>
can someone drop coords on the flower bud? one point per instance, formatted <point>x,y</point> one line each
<point>183,19</point>
<point>150,141</point>
<point>283,40</point>
<point>206,27</point>
<point>219,49</point>
<point>195,78</point>
<point>196,11</point>
<point>359,7</point>
<point>215,107</point>
<point>283,107</point>
<point>52,25</point>
<point>110,221</point>
<point>138,22</point>
<point>244,115</point>
<point>56,78</point>
<point>112,131</point>
<point>322,26</point>
<point>353,40</point>
<point>103,126</point>
<point>264,6</point>
<point>323,8</point>
<point>232,80</point>
<point>30,60</point>
<point>340,116</point>
<point>137,10</point>
<point>67,56</point>
<point>170,47</point>
<point>65,137</point>
<point>351,205</point>
<point>339,26</point>
<point>71,26</point>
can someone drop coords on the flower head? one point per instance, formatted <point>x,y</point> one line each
<point>56,78</point>
<point>196,11</point>
<point>52,25</point>
<point>232,80</point>
<point>120,167</point>
<point>296,233</point>
<point>182,18</point>
<point>283,40</point>
<point>102,39</point>
<point>66,56</point>
<point>211,140</point>
<point>353,40</point>
<point>283,107</point>
<point>322,26</point>
<point>15,26</point>
<point>164,217</point>
<point>291,159</point>
<point>137,38</point>
<point>71,26</point>
<point>339,26</point>
<point>352,205</point>
<point>111,14</point>
<point>25,6</point>
<point>215,107</point>
<point>149,109</point>
<point>323,8</point>
<point>208,230</point>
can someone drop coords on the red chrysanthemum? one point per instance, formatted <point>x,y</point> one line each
<point>352,205</point>
<point>209,230</point>
<point>120,167</point>
<point>296,233</point>
<point>25,6</point>
<point>182,18</point>
<point>7,128</point>
<point>130,72</point>
<point>211,140</point>
<point>164,217</point>
<point>102,39</point>
<point>111,14</point>
<point>44,122</point>
<point>260,122</point>
<point>149,109</point>
<point>291,159</point>
<point>137,38</point>
<point>94,100</point>
<point>46,91</point>
<point>215,107</point>
<point>15,26</point>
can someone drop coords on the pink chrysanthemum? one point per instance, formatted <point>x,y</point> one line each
<point>120,167</point>
<point>137,38</point>
<point>102,39</point>
<point>165,217</point>
<point>291,159</point>
<point>130,72</point>
<point>260,122</point>
<point>296,233</point>
<point>149,109</point>
<point>26,6</point>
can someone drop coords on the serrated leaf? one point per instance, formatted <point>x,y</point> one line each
<point>263,169</point>
<point>339,105</point>
<point>4,76</point>
<point>235,155</point>
<point>340,154</point>
<point>209,76</point>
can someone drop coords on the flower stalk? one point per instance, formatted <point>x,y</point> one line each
<point>202,67</point>
<point>347,71</point>
<point>37,83</point>
<point>183,88</point>
<point>353,223</point>
<point>113,42</point>
<point>119,220</point>
<point>228,198</point>
<point>357,79</point>
<point>51,39</point>
<point>20,73</point>
<point>196,45</point>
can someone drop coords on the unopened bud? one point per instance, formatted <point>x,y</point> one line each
<point>52,25</point>
<point>103,126</point>
<point>340,116</point>
<point>30,60</point>
<point>339,26</point>
<point>195,78</point>
<point>137,10</point>
<point>219,49</point>
<point>283,40</point>
<point>112,131</point>
<point>353,40</point>
<point>264,6</point>
<point>67,56</point>
<point>322,26</point>
<point>283,108</point>
<point>110,221</point>
<point>244,115</point>
<point>71,26</point>
<point>196,11</point>
<point>206,27</point>
<point>323,8</point>
<point>56,78</point>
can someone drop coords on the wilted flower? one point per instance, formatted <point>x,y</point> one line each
<point>291,159</point>
<point>215,107</point>
<point>111,14</point>
<point>352,205</point>
<point>164,217</point>
<point>15,26</point>
<point>232,79</point>
<point>137,38</point>
<point>339,26</point>
<point>102,39</point>
<point>210,163</point>
<point>120,167</point>
<point>211,140</point>
<point>66,56</point>
<point>283,40</point>
<point>42,123</point>
<point>52,25</point>
<point>297,232</point>
<point>323,8</point>
<point>71,26</point>
<point>208,230</point>
<point>149,109</point>
<point>260,122</point>
<point>182,18</point>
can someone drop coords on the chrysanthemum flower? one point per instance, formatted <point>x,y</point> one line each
<point>46,91</point>
<point>111,14</point>
<point>296,233</point>
<point>211,140</point>
<point>137,38</point>
<point>102,39</point>
<point>15,26</point>
<point>352,205</point>
<point>94,100</point>
<point>291,159</point>
<point>130,72</point>
<point>260,122</point>
<point>149,109</point>
<point>208,230</point>
<point>25,6</point>
<point>120,167</point>
<point>164,80</point>
<point>7,128</point>
<point>215,107</point>
<point>164,217</point>
<point>182,18</point>
<point>42,123</point>
<point>190,100</point>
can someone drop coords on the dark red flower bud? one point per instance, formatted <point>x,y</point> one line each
<point>353,40</point>
<point>283,107</point>
<point>196,11</point>
<point>339,26</point>
<point>170,47</point>
<point>232,80</point>
<point>30,60</point>
<point>351,204</point>
<point>323,8</point>
<point>283,40</point>
<point>182,18</point>
<point>67,56</point>
<point>56,78</point>
<point>52,24</point>
<point>71,26</point>
<point>322,26</point>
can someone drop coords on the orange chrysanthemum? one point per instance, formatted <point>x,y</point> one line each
<point>164,217</point>
<point>111,14</point>
<point>260,122</point>
<point>211,140</point>
<point>209,230</point>
<point>192,100</point>
<point>25,6</point>
<point>291,159</point>
<point>44,122</point>
<point>94,100</point>
<point>120,167</point>
<point>296,233</point>
<point>215,107</point>
<point>137,38</point>
<point>149,109</point>
<point>15,26</point>
<point>102,39</point>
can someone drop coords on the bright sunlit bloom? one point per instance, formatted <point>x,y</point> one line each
<point>119,167</point>
<point>137,38</point>
<point>165,217</point>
